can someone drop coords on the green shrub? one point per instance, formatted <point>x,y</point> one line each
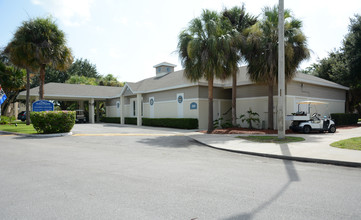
<point>4,120</point>
<point>110,119</point>
<point>48,122</point>
<point>130,121</point>
<point>344,118</point>
<point>183,123</point>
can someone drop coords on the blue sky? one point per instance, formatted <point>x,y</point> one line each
<point>127,38</point>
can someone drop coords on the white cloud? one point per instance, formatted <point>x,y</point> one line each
<point>69,12</point>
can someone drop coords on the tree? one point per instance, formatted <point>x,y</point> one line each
<point>83,68</point>
<point>109,80</point>
<point>42,43</point>
<point>82,80</point>
<point>239,21</point>
<point>78,68</point>
<point>201,53</point>
<point>262,51</point>
<point>352,49</point>
<point>343,65</point>
<point>12,81</point>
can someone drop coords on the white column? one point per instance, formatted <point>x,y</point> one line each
<point>139,109</point>
<point>122,110</point>
<point>91,111</point>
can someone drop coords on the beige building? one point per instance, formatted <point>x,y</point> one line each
<point>170,95</point>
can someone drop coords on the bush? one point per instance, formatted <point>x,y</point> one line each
<point>6,120</point>
<point>130,121</point>
<point>183,123</point>
<point>344,118</point>
<point>53,121</point>
<point>110,119</point>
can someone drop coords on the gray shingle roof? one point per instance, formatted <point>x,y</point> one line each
<point>75,91</point>
<point>177,80</point>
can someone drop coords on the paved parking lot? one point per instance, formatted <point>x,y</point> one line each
<point>152,173</point>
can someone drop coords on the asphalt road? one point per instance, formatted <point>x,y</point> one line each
<point>156,176</point>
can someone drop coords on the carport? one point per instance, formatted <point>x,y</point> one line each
<point>75,92</point>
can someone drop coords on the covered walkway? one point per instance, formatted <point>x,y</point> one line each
<point>78,93</point>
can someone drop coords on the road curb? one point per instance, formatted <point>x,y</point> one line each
<point>283,157</point>
<point>38,135</point>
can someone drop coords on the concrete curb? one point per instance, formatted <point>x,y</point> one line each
<point>283,157</point>
<point>38,135</point>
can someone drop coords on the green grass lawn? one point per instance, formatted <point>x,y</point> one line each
<point>352,143</point>
<point>271,139</point>
<point>21,128</point>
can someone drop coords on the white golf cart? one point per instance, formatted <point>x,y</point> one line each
<point>306,123</point>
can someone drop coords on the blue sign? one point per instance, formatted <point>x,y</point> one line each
<point>193,105</point>
<point>43,105</point>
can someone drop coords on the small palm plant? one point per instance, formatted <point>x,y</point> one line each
<point>252,117</point>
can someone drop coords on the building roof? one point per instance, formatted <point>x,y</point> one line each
<point>177,80</point>
<point>65,91</point>
<point>164,64</point>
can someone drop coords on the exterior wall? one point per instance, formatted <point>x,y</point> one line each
<point>313,91</point>
<point>260,105</point>
<point>218,93</point>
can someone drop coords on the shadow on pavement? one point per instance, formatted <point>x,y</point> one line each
<point>169,141</point>
<point>292,177</point>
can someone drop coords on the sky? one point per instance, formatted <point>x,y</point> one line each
<point>127,38</point>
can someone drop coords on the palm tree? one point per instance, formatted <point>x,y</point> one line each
<point>201,53</point>
<point>239,20</point>
<point>262,51</point>
<point>41,41</point>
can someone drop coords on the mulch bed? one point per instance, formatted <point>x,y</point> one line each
<point>264,131</point>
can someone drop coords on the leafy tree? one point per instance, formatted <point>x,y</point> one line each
<point>201,53</point>
<point>83,68</point>
<point>343,66</point>
<point>40,42</point>
<point>352,49</point>
<point>109,80</point>
<point>262,51</point>
<point>239,20</point>
<point>75,79</point>
<point>12,81</point>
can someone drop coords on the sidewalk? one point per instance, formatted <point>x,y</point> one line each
<point>316,147</point>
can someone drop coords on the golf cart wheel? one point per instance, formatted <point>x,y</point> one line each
<point>306,129</point>
<point>332,129</point>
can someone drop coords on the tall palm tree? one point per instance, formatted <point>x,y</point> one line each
<point>41,41</point>
<point>239,20</point>
<point>262,51</point>
<point>201,53</point>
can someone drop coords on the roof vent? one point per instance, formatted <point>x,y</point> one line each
<point>164,68</point>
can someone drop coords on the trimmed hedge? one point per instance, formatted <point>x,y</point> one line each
<point>183,123</point>
<point>49,122</point>
<point>344,118</point>
<point>110,119</point>
<point>130,121</point>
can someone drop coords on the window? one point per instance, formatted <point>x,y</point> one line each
<point>159,69</point>
<point>168,69</point>
<point>118,104</point>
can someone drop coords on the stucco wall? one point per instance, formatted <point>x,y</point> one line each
<point>315,91</point>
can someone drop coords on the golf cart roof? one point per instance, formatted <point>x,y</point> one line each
<point>313,102</point>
